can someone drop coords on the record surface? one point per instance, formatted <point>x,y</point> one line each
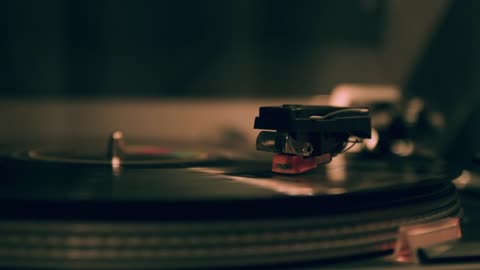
<point>212,213</point>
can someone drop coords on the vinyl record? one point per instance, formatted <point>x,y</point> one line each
<point>211,213</point>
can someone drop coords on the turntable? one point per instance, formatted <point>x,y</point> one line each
<point>131,135</point>
<point>125,206</point>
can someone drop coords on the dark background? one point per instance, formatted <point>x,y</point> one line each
<point>186,47</point>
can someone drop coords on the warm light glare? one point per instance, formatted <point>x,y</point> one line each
<point>115,162</point>
<point>335,170</point>
<point>371,143</point>
<point>363,94</point>
<point>403,148</point>
<point>285,187</point>
<point>463,180</point>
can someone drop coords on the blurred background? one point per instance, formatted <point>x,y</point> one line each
<point>214,48</point>
<point>81,68</point>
